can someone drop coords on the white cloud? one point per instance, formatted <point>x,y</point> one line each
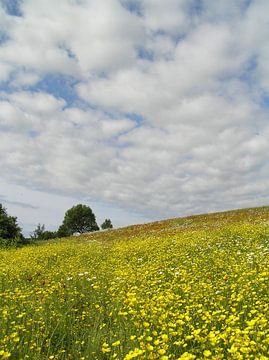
<point>115,127</point>
<point>72,38</point>
<point>255,33</point>
<point>36,103</point>
<point>24,79</point>
<point>170,116</point>
<point>169,16</point>
<point>5,71</point>
<point>224,10</point>
<point>201,60</point>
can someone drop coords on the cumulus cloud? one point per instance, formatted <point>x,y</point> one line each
<point>169,109</point>
<point>169,16</point>
<point>71,38</point>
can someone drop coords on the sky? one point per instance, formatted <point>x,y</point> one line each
<point>141,109</point>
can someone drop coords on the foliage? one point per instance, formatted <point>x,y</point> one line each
<point>37,234</point>
<point>107,224</point>
<point>41,234</point>
<point>63,231</point>
<point>10,243</point>
<point>192,288</point>
<point>47,235</point>
<point>78,219</point>
<point>9,228</point>
<point>10,232</point>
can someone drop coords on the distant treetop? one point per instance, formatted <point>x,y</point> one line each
<point>9,229</point>
<point>107,224</point>
<point>78,219</point>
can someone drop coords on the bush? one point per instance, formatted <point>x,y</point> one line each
<point>8,243</point>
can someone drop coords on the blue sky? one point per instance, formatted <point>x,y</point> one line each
<point>142,109</point>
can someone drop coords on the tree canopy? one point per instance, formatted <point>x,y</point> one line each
<point>37,233</point>
<point>9,229</point>
<point>78,219</point>
<point>41,234</point>
<point>107,224</point>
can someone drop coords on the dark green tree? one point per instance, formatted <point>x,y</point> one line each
<point>9,229</point>
<point>107,224</point>
<point>78,219</point>
<point>10,232</point>
<point>41,234</point>
<point>47,235</point>
<point>63,231</point>
<point>37,233</point>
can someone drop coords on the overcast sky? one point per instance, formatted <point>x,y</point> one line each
<point>142,109</point>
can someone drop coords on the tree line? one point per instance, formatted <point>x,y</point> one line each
<point>77,220</point>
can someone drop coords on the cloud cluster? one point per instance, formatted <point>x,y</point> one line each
<point>170,112</point>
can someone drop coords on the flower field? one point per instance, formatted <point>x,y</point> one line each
<point>187,288</point>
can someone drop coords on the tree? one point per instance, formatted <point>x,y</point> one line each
<point>10,232</point>
<point>62,231</point>
<point>78,219</point>
<point>41,234</point>
<point>107,224</point>
<point>47,235</point>
<point>37,234</point>
<point>9,229</point>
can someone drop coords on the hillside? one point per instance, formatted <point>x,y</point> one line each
<point>185,288</point>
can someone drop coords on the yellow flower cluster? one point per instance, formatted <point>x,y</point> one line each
<point>191,288</point>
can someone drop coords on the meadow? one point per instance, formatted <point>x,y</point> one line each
<point>186,288</point>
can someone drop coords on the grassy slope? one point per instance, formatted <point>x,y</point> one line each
<point>189,223</point>
<point>194,287</point>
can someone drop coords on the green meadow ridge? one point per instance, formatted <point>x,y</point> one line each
<point>185,288</point>
<point>258,215</point>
